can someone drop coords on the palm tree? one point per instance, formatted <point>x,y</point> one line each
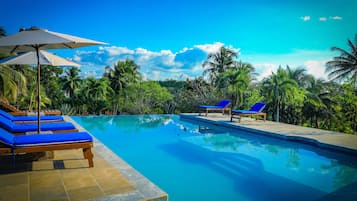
<point>12,83</point>
<point>97,88</point>
<point>278,88</point>
<point>236,80</point>
<point>124,73</point>
<point>96,92</point>
<point>2,32</point>
<point>348,100</point>
<point>298,74</point>
<point>71,81</point>
<point>318,101</point>
<point>344,66</point>
<point>218,62</point>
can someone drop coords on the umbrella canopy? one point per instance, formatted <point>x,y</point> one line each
<point>30,39</point>
<point>46,58</point>
<point>35,39</point>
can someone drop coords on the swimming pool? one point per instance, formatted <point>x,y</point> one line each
<point>193,161</point>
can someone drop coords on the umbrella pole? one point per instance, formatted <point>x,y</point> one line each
<point>38,89</point>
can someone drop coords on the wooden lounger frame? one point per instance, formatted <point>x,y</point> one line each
<point>17,112</point>
<point>86,146</point>
<point>52,131</point>
<point>256,115</point>
<point>25,113</point>
<point>42,121</point>
<point>216,109</point>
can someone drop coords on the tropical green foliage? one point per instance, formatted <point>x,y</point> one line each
<point>51,86</point>
<point>71,81</point>
<point>218,63</point>
<point>235,82</point>
<point>123,74</point>
<point>344,67</point>
<point>2,32</point>
<point>12,83</point>
<point>194,93</point>
<point>144,98</point>
<point>278,89</point>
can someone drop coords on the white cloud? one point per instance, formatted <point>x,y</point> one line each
<point>197,68</point>
<point>336,18</point>
<point>169,58</point>
<point>175,70</point>
<point>305,18</point>
<point>144,56</point>
<point>114,50</point>
<point>167,52</point>
<point>237,50</point>
<point>144,76</point>
<point>312,60</point>
<point>185,49</point>
<point>313,67</point>
<point>265,69</point>
<point>187,62</point>
<point>155,75</point>
<point>76,58</point>
<point>321,19</point>
<point>210,48</point>
<point>316,68</point>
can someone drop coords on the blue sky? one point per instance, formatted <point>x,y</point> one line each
<point>171,39</point>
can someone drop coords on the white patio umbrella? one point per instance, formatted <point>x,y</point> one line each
<point>35,39</point>
<point>45,58</point>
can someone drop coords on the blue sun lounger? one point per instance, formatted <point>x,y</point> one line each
<point>221,106</point>
<point>255,110</point>
<point>12,144</point>
<point>24,119</point>
<point>22,128</point>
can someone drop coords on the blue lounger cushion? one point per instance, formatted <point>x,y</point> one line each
<point>29,118</point>
<point>6,137</point>
<point>46,142</point>
<point>21,128</point>
<point>47,139</point>
<point>244,111</point>
<point>222,104</point>
<point>42,139</point>
<point>256,108</point>
<point>211,106</point>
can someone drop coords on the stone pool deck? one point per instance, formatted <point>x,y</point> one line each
<point>322,138</point>
<point>66,176</point>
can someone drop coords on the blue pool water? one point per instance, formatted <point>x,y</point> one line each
<point>199,162</point>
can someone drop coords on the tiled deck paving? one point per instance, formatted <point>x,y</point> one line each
<point>323,138</point>
<point>67,177</point>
